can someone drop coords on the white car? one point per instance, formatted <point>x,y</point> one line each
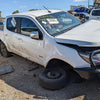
<point>54,39</point>
<point>95,14</point>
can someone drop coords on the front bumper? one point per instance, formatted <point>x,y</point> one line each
<point>91,70</point>
<point>87,73</point>
<point>94,61</point>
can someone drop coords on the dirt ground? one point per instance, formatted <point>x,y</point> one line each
<point>22,84</point>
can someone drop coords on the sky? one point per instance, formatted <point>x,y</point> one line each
<point>8,6</point>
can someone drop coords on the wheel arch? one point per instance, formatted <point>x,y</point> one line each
<point>4,42</point>
<point>57,62</point>
<point>1,42</point>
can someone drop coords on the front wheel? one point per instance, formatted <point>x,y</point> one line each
<point>3,50</point>
<point>53,78</point>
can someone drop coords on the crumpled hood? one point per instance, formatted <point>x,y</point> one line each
<point>86,35</point>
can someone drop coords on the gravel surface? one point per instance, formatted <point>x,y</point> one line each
<point>23,84</point>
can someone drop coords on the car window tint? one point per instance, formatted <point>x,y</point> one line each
<point>96,13</point>
<point>27,26</point>
<point>1,23</point>
<point>12,24</point>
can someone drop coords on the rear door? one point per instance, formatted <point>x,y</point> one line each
<point>12,37</point>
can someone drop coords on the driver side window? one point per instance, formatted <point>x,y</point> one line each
<point>27,26</point>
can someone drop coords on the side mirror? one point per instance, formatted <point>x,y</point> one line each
<point>34,35</point>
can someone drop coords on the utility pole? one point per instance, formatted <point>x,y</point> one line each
<point>88,4</point>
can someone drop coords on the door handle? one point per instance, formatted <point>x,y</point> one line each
<point>19,38</point>
<point>6,34</point>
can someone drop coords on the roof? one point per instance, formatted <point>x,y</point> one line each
<point>96,9</point>
<point>37,13</point>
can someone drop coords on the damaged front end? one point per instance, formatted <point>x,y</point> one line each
<point>91,55</point>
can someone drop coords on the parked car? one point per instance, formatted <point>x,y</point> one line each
<point>83,17</point>
<point>95,14</point>
<point>54,39</point>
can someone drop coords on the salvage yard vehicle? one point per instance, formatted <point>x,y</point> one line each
<point>95,14</point>
<point>83,17</point>
<point>54,39</point>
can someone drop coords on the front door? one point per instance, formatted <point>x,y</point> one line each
<point>31,48</point>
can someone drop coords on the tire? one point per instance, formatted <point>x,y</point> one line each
<point>3,50</point>
<point>53,82</point>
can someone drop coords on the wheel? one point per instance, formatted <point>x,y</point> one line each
<point>3,50</point>
<point>53,78</point>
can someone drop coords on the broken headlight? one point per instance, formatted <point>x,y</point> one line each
<point>85,56</point>
<point>95,58</point>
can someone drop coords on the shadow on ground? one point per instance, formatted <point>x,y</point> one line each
<point>25,79</point>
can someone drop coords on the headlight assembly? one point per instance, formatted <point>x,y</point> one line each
<point>95,58</point>
<point>85,56</point>
<point>92,57</point>
<point>89,54</point>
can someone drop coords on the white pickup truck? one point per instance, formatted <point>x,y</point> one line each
<point>54,39</point>
<point>95,14</point>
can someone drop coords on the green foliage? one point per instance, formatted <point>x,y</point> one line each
<point>33,9</point>
<point>17,11</point>
<point>0,13</point>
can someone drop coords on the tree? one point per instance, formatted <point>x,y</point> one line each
<point>17,11</point>
<point>33,9</point>
<point>0,13</point>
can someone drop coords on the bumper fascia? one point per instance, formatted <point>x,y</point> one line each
<point>87,73</point>
<point>91,70</point>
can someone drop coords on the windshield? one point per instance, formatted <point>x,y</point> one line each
<point>58,23</point>
<point>96,13</point>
